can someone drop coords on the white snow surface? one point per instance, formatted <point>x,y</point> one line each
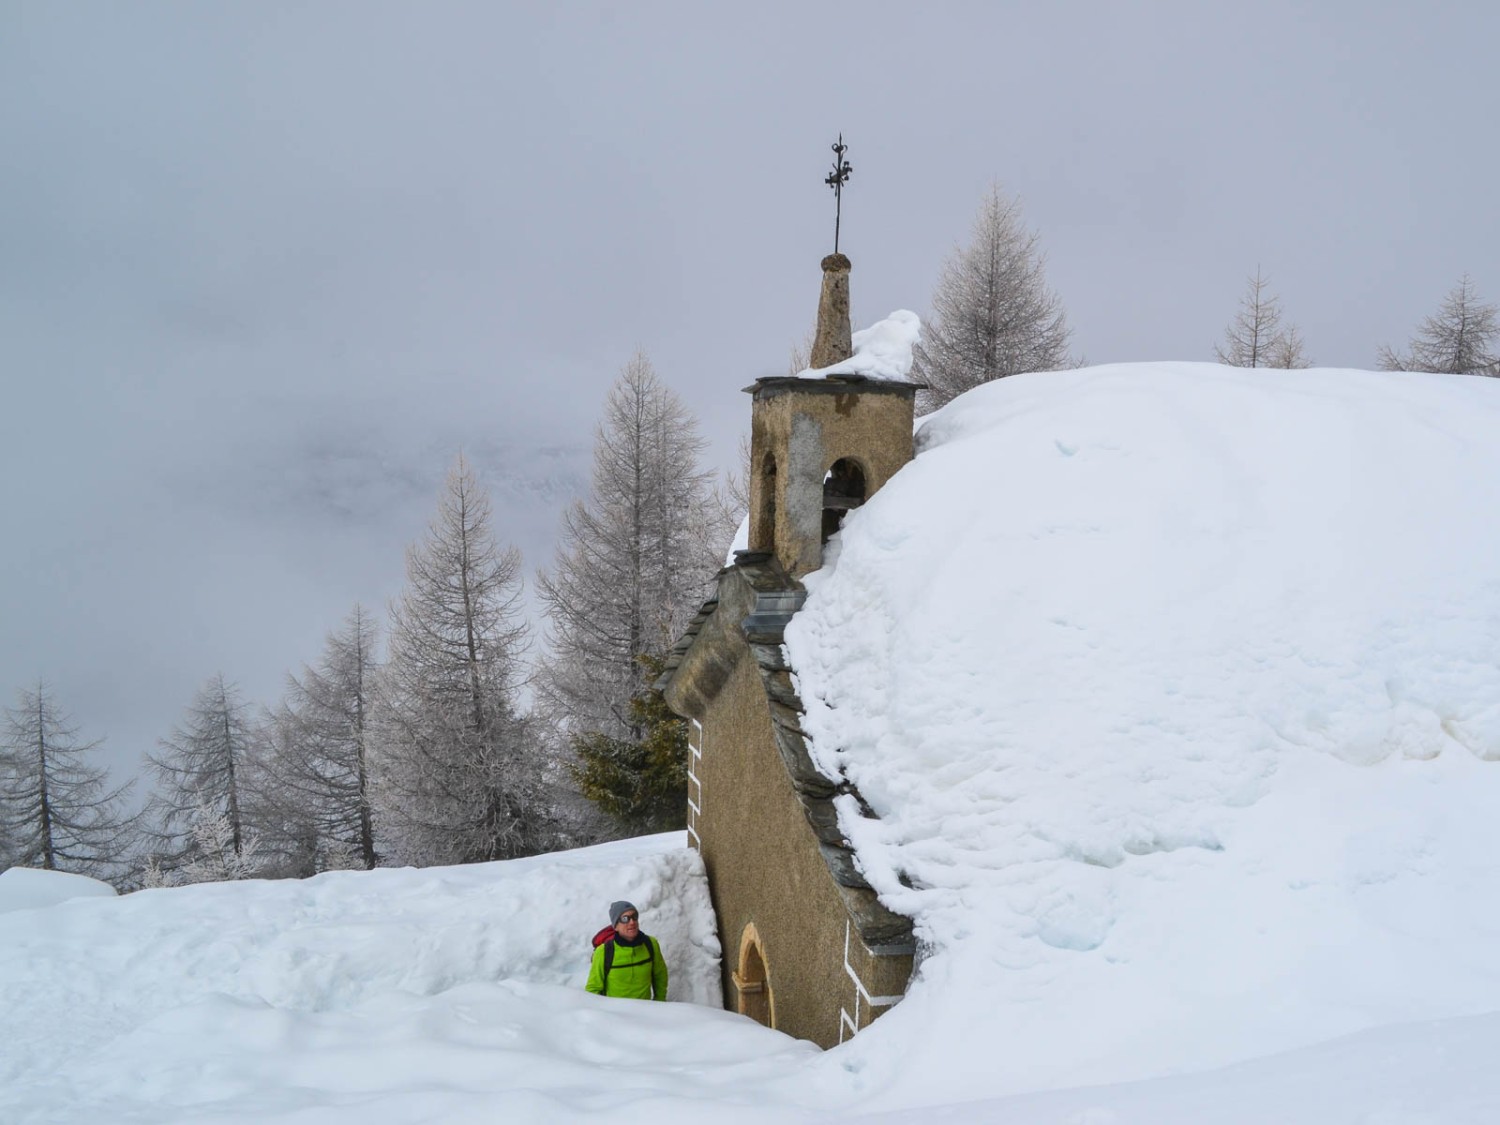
<point>392,995</point>
<point>1176,691</point>
<point>740,542</point>
<point>881,351</point>
<point>26,888</point>
<point>453,995</point>
<point>1175,688</point>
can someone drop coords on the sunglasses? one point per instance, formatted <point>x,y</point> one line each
<point>630,917</point>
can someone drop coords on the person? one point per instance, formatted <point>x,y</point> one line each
<point>628,963</point>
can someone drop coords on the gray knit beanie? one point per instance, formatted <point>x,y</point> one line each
<point>618,908</point>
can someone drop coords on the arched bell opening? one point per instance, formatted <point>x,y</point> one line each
<point>843,490</point>
<point>765,540</point>
<point>752,981</point>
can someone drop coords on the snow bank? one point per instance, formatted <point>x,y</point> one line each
<point>103,1025</point>
<point>102,997</point>
<point>27,888</point>
<point>1177,691</point>
<point>1439,1073</point>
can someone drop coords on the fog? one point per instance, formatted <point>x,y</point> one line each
<point>266,268</point>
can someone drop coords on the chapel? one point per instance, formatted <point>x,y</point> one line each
<point>808,947</point>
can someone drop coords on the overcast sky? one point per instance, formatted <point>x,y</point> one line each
<point>265,268</point>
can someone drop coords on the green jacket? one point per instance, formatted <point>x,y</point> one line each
<point>632,973</point>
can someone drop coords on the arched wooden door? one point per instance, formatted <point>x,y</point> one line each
<point>752,980</point>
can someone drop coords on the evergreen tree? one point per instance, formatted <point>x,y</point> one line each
<point>453,771</point>
<point>57,811</point>
<point>992,313</point>
<point>641,782</point>
<point>1458,340</point>
<point>313,795</point>
<point>203,765</point>
<point>635,559</point>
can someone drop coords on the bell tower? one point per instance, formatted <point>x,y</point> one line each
<point>820,956</point>
<point>822,444</point>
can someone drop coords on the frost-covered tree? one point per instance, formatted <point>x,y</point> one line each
<point>1458,340</point>
<point>1255,337</point>
<point>312,792</point>
<point>203,764</point>
<point>215,857</point>
<point>992,313</point>
<point>635,558</point>
<point>454,779</point>
<point>57,810</point>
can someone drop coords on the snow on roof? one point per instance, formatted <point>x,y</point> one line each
<point>881,351</point>
<point>1176,689</point>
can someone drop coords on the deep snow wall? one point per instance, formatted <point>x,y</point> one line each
<point>1176,690</point>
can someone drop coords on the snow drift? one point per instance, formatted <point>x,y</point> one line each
<point>347,989</point>
<point>26,888</point>
<point>1176,689</point>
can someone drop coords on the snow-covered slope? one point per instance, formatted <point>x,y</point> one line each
<point>346,988</point>
<point>1439,1073</point>
<point>1177,690</point>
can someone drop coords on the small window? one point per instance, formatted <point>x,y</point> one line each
<point>843,490</point>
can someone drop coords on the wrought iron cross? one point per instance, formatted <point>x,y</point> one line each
<point>836,180</point>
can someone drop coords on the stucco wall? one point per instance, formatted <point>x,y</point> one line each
<point>764,867</point>
<point>808,425</point>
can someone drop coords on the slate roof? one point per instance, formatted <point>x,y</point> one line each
<point>754,602</point>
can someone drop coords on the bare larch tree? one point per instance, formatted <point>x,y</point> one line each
<point>200,772</point>
<point>313,791</point>
<point>453,780</point>
<point>635,559</point>
<point>1458,340</point>
<point>57,810</point>
<point>992,313</point>
<point>1255,337</point>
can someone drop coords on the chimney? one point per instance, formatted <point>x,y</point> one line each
<point>832,342</point>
